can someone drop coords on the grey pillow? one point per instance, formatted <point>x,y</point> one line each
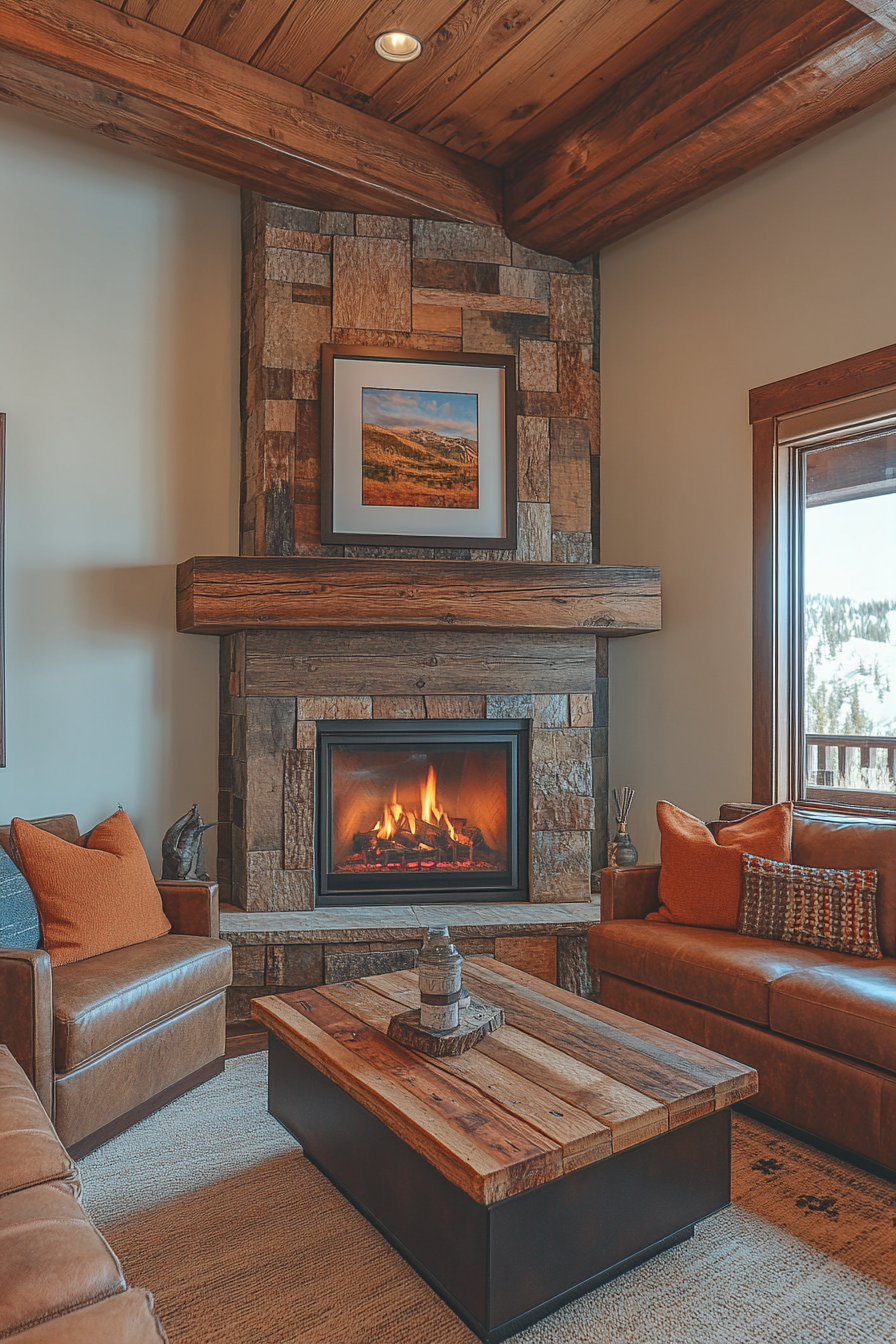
<point>19,922</point>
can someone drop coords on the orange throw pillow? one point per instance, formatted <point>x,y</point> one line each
<point>94,896</point>
<point>701,878</point>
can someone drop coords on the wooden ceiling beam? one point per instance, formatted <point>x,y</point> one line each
<point>732,95</point>
<point>882,11</point>
<point>84,63</point>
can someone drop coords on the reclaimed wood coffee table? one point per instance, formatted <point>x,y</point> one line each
<point>568,1146</point>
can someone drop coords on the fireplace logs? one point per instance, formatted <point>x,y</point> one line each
<point>433,839</point>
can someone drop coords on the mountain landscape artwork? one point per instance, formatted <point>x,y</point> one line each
<point>419,449</point>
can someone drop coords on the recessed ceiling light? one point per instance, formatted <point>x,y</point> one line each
<point>398,46</point>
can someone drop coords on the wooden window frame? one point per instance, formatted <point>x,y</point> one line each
<point>776,573</point>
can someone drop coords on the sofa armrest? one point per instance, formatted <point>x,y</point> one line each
<point>191,907</point>
<point>629,893</point>
<point>737,811</point>
<point>26,1016</point>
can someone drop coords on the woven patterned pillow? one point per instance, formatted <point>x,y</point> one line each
<point>833,908</point>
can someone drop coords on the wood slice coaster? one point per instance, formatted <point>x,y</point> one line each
<point>477,1020</point>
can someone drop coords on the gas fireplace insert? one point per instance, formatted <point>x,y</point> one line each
<point>413,811</point>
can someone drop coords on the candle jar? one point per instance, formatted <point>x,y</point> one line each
<point>439,970</point>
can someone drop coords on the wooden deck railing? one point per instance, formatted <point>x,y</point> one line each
<point>819,767</point>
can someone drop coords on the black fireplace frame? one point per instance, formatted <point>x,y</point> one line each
<point>345,889</point>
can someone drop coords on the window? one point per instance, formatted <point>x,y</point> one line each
<point>824,597</point>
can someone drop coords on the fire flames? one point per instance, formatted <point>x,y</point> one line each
<point>395,818</point>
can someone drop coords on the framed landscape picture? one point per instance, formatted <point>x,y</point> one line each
<point>418,448</point>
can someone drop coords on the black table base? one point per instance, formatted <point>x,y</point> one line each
<point>503,1266</point>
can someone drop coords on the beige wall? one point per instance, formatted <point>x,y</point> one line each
<point>119,311</point>
<point>792,267</point>
<point>119,316</point>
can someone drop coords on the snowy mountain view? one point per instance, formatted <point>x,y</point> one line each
<point>850,666</point>
<point>850,638</point>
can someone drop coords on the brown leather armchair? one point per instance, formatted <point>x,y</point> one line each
<point>108,1040</point>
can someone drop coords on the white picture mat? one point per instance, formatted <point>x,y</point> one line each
<point>350,514</point>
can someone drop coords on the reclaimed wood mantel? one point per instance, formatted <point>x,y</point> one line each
<point>220,595</point>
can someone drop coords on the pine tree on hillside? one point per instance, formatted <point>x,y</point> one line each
<point>833,703</point>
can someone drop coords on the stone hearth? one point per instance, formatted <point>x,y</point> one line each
<point>274,954</point>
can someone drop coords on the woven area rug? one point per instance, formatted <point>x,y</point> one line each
<point>211,1205</point>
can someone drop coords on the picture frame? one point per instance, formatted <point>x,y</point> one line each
<point>418,448</point>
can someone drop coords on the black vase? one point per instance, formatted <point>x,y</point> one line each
<point>626,854</point>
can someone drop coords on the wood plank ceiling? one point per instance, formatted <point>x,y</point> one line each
<point>571,122</point>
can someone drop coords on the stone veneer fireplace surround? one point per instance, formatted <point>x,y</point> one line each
<point>273,770</point>
<point>314,634</point>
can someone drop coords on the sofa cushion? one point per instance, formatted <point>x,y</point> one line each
<point>30,1151</point>
<point>105,1090</point>
<point>712,967</point>
<point>822,840</point>
<point>102,1001</point>
<point>834,908</point>
<point>19,920</point>
<point>125,1318</point>
<point>848,1009</point>
<point>93,896</point>
<point>700,877</point>
<point>52,1259</point>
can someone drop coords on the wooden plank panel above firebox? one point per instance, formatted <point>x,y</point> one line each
<point>218,595</point>
<point>425,662</point>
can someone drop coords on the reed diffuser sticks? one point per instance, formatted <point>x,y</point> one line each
<point>623,799</point>
<point>621,853</point>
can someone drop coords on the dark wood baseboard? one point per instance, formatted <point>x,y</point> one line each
<point>122,1122</point>
<point>824,1146</point>
<point>245,1038</point>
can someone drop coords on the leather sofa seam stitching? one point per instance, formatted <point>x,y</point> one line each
<point>65,1178</point>
<point>59,1315</point>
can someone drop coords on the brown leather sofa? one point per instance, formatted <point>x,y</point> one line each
<point>60,1281</point>
<point>108,1040</point>
<point>819,1027</point>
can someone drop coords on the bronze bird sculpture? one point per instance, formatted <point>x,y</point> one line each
<point>183,854</point>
